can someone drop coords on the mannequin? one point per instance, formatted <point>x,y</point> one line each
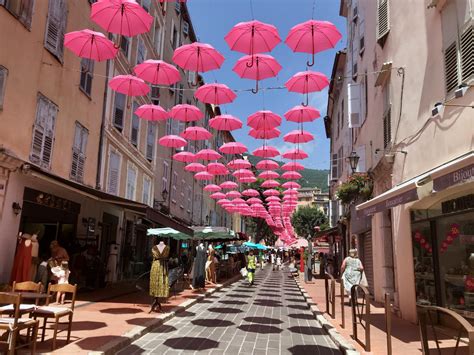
<point>112,263</point>
<point>22,264</point>
<point>159,275</point>
<point>34,255</point>
<point>199,267</point>
<point>211,266</point>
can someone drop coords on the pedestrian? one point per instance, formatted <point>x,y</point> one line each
<point>352,272</point>
<point>58,253</point>
<point>251,266</point>
<point>62,274</point>
<point>273,260</point>
<point>278,261</point>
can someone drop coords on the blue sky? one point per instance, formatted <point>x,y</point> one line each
<point>212,19</point>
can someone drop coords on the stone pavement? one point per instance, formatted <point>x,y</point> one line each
<point>271,317</point>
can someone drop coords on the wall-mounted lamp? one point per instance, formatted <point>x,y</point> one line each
<point>461,91</point>
<point>25,168</point>
<point>437,110</point>
<point>16,208</point>
<point>207,220</point>
<point>353,161</point>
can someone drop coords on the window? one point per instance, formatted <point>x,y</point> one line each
<point>189,199</point>
<point>334,160</point>
<point>174,188</point>
<point>157,37</point>
<point>155,95</point>
<point>87,74</point>
<point>387,119</point>
<point>172,88</point>
<point>56,27</point>
<point>141,51</point>
<point>164,179</point>
<point>43,132</point>
<point>186,28</point>
<point>125,45</point>
<point>146,190</point>
<point>3,84</point>
<point>361,36</point>
<point>174,36</point>
<point>181,189</point>
<point>79,152</point>
<point>146,4</point>
<point>354,106</point>
<point>191,76</point>
<point>179,94</point>
<point>340,160</point>
<point>177,6</point>
<point>135,129</point>
<point>131,182</point>
<point>21,9</point>
<point>383,20</point>
<point>169,124</point>
<point>150,141</point>
<point>119,110</point>
<point>114,173</point>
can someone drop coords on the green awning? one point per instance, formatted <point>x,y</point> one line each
<point>168,233</point>
<point>199,233</point>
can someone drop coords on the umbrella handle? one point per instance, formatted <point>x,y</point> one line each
<point>254,91</point>
<point>312,62</point>
<point>250,65</point>
<point>119,40</point>
<point>305,104</point>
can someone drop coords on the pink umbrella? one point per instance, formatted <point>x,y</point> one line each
<point>266,152</point>
<point>184,157</point>
<point>307,81</point>
<point>128,84</point>
<point>239,201</point>
<point>212,188</point>
<point>229,185</point>
<point>239,164</point>
<point>247,180</point>
<point>263,120</point>
<point>265,134</point>
<point>186,113</point>
<point>302,114</point>
<point>233,148</point>
<point>268,175</point>
<point>195,167</point>
<point>233,194</point>
<point>291,175</point>
<point>267,165</point>
<point>217,169</point>
<point>265,66</point>
<point>312,37</point>
<point>151,113</point>
<point>295,154</point>
<point>90,44</point>
<point>298,136</point>
<point>204,175</point>
<point>217,195</point>
<point>157,72</point>
<point>216,94</point>
<point>250,192</point>
<point>273,198</point>
<point>290,192</point>
<point>196,133</point>
<point>291,185</point>
<point>253,200</point>
<point>208,154</point>
<point>270,184</point>
<point>225,123</point>
<point>292,166</point>
<point>242,173</point>
<point>223,201</point>
<point>172,141</point>
<point>124,17</point>
<point>271,192</point>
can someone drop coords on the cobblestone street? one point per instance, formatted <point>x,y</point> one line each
<point>269,318</point>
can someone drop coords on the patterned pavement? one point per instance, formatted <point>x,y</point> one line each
<point>270,317</point>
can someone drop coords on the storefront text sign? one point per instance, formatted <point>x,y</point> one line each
<point>459,176</point>
<point>51,201</point>
<point>404,197</point>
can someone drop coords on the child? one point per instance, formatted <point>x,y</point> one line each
<point>62,273</point>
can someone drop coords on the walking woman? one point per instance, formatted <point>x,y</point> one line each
<point>352,272</point>
<point>251,266</point>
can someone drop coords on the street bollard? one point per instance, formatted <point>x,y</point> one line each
<point>388,323</point>
<point>343,320</point>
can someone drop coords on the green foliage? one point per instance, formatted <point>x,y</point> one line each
<point>306,218</point>
<point>358,187</point>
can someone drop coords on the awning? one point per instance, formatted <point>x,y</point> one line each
<point>168,233</point>
<point>206,233</point>
<point>457,171</point>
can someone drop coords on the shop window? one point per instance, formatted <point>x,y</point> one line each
<point>55,28</point>
<point>21,9</point>
<point>81,135</point>
<point>87,74</point>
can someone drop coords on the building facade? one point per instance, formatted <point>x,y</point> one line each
<point>313,197</point>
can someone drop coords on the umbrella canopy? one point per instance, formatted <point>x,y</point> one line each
<point>251,192</point>
<point>195,167</point>
<point>223,201</point>
<point>208,154</point>
<point>266,152</point>
<point>255,246</point>
<point>290,192</point>
<point>254,200</point>
<point>225,123</point>
<point>203,175</point>
<point>307,81</point>
<point>151,112</point>
<point>291,185</point>
<point>301,114</point>
<point>264,67</point>
<point>212,188</point>
<point>233,194</point>
<point>291,175</point>
<point>196,133</point>
<point>216,94</point>
<point>271,192</point>
<point>218,195</point>
<point>186,113</point>
<point>168,232</point>
<point>299,243</point>
<point>123,17</point>
<point>265,133</point>
<point>129,85</point>
<point>298,136</point>
<point>247,180</point>
<point>172,141</point>
<point>217,169</point>
<point>184,157</point>
<point>272,198</point>
<point>270,184</point>
<point>242,173</point>
<point>263,120</point>
<point>239,164</point>
<point>229,185</point>
<point>268,175</point>
<point>198,57</point>
<point>267,165</point>
<point>252,37</point>
<point>157,72</point>
<point>90,44</point>
<point>292,166</point>
<point>233,148</point>
<point>295,154</point>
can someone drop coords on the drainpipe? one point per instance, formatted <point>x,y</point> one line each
<point>102,129</point>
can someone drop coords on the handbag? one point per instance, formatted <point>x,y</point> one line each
<point>244,272</point>
<point>363,280</point>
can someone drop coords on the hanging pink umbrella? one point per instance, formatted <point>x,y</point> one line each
<point>204,175</point>
<point>217,169</point>
<point>290,192</point>
<point>195,167</point>
<point>217,195</point>
<point>212,188</point>
<point>239,164</point>
<point>267,165</point>
<point>229,185</point>
<point>242,173</point>
<point>312,37</point>
<point>254,200</point>
<point>157,72</point>
<point>208,154</point>
<point>266,152</point>
<point>271,192</point>
<point>268,175</point>
<point>123,17</point>
<point>247,180</point>
<point>233,148</point>
<point>291,185</point>
<point>307,81</point>
<point>91,45</point>
<point>239,201</point>
<point>270,184</point>
<point>292,166</point>
<point>152,112</point>
<point>223,201</point>
<point>301,114</point>
<point>295,154</point>
<point>233,194</point>
<point>250,192</point>
<point>273,198</point>
<point>291,175</point>
<point>298,136</point>
<point>184,157</point>
<point>264,67</point>
<point>196,133</point>
<point>129,85</point>
<point>216,94</point>
<point>265,134</point>
<point>186,113</point>
<point>172,141</point>
<point>225,123</point>
<point>263,120</point>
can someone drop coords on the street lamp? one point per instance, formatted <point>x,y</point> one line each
<point>353,161</point>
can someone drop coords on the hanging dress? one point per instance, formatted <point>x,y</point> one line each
<point>199,268</point>
<point>22,263</point>
<point>159,273</point>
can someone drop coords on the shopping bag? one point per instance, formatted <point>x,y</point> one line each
<point>243,272</point>
<point>363,280</point>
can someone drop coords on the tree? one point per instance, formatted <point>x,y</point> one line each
<point>306,218</point>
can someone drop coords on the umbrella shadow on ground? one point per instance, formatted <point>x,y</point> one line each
<point>87,325</point>
<point>299,307</point>
<point>311,349</point>
<point>301,316</point>
<point>238,296</point>
<point>164,328</point>
<point>268,295</point>
<point>121,310</point>
<point>139,321</point>
<point>262,320</point>
<point>260,328</point>
<point>94,343</point>
<point>212,323</point>
<point>225,310</point>
<point>206,301</point>
<point>307,330</point>
<point>292,294</point>
<point>191,343</point>
<point>133,349</point>
<point>230,302</point>
<point>268,303</point>
<point>185,314</point>
<point>298,300</point>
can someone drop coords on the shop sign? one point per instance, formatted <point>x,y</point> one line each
<point>466,239</point>
<point>408,196</point>
<point>459,176</point>
<point>458,204</point>
<point>51,201</point>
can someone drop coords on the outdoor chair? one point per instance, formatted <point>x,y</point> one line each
<point>57,312</point>
<point>27,286</point>
<point>11,326</point>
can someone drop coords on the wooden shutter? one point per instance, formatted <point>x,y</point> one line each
<point>43,132</point>
<point>361,36</point>
<point>451,67</point>
<point>164,179</point>
<point>56,27</point>
<point>114,166</point>
<point>26,12</point>
<point>141,51</point>
<point>387,128</point>
<point>334,160</point>
<point>383,19</point>
<point>146,191</point>
<point>368,260</point>
<point>150,141</point>
<point>119,110</point>
<point>135,125</point>
<point>3,84</point>
<point>354,96</point>
<point>467,53</point>
<point>79,152</point>
<point>131,183</point>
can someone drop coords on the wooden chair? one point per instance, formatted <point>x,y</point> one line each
<point>57,312</point>
<point>27,286</point>
<point>13,325</point>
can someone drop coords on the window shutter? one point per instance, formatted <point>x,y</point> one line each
<point>355,52</point>
<point>26,12</point>
<point>150,141</point>
<point>135,125</point>
<point>185,28</point>
<point>3,84</point>
<point>119,108</point>
<point>354,114</point>
<point>383,19</point>
<point>387,129</point>
<point>467,53</point>
<point>361,36</point>
<point>43,132</point>
<point>177,7</point>
<point>55,27</point>
<point>334,175</point>
<point>141,51</point>
<point>37,144</point>
<point>114,166</point>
